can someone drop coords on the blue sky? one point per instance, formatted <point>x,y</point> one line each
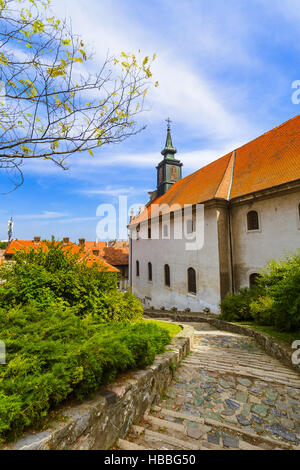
<point>225,70</point>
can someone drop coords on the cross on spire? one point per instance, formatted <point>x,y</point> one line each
<point>169,123</point>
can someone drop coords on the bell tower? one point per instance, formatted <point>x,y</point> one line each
<point>169,170</point>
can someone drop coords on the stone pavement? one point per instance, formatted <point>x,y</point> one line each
<point>227,394</point>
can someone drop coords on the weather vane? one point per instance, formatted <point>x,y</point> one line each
<point>169,123</point>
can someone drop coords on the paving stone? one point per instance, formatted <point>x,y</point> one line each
<point>232,404</point>
<point>198,401</point>
<point>246,410</point>
<point>242,420</point>
<point>241,397</point>
<point>271,395</point>
<point>171,394</point>
<point>231,442</point>
<point>282,406</point>
<point>276,412</point>
<point>213,439</point>
<point>194,433</point>
<point>244,382</point>
<point>224,384</point>
<point>280,431</point>
<point>287,423</point>
<point>192,424</point>
<point>260,410</point>
<point>256,391</point>
<point>253,399</point>
<point>258,420</point>
<point>228,412</point>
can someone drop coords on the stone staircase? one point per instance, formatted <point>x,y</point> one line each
<point>227,395</point>
<point>164,429</point>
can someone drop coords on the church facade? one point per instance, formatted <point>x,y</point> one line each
<point>250,214</point>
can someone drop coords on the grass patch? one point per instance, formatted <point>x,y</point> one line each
<point>286,337</point>
<point>172,328</point>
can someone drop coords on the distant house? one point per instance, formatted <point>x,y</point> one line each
<point>115,253</point>
<point>88,258</point>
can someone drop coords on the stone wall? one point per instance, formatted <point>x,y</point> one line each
<point>272,346</point>
<point>97,423</point>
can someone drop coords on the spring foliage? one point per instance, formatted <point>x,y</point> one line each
<point>274,301</point>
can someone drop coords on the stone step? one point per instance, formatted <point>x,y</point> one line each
<point>213,367</point>
<point>264,365</point>
<point>181,444</point>
<point>127,445</point>
<point>226,427</point>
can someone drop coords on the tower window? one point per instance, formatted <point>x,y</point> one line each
<point>149,233</point>
<point>149,271</point>
<point>252,220</point>
<point>167,275</point>
<point>192,287</point>
<point>137,266</point>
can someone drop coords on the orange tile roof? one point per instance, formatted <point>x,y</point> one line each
<point>117,255</point>
<point>72,248</point>
<point>89,259</point>
<point>270,160</point>
<point>94,245</point>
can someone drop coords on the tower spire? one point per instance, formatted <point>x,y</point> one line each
<point>169,151</point>
<point>169,169</point>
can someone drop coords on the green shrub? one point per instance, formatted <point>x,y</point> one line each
<point>282,283</point>
<point>46,277</point>
<point>262,310</point>
<point>54,354</point>
<point>236,307</point>
<point>275,301</point>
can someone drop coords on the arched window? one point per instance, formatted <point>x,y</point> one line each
<point>253,279</point>
<point>167,275</point>
<point>252,220</point>
<point>137,264</point>
<point>149,271</point>
<point>192,287</point>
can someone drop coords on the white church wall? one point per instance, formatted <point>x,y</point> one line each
<point>279,233</point>
<point>172,252</point>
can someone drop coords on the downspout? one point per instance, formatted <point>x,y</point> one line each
<point>230,225</point>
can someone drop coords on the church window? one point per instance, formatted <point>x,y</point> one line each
<point>149,271</point>
<point>137,269</point>
<point>192,287</point>
<point>252,220</point>
<point>167,275</point>
<point>253,279</point>
<point>173,173</point>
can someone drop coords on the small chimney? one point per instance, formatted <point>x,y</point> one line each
<point>66,240</point>
<point>81,242</point>
<point>36,239</point>
<point>96,252</point>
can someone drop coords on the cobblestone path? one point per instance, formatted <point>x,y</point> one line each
<point>227,394</point>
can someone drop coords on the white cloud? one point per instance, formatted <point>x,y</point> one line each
<point>43,216</point>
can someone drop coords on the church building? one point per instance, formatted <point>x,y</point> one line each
<point>250,200</point>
